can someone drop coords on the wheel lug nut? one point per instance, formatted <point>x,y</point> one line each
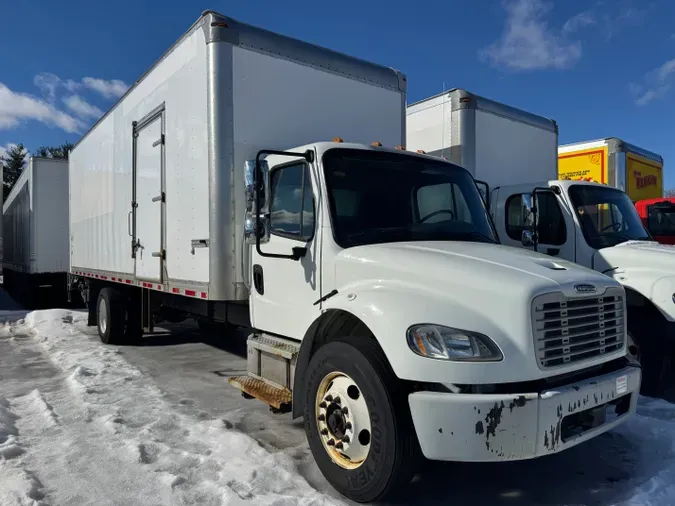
<point>337,400</point>
<point>329,398</point>
<point>348,426</point>
<point>324,432</point>
<point>322,417</point>
<point>345,439</point>
<point>345,411</point>
<point>323,405</point>
<point>339,446</point>
<point>331,442</point>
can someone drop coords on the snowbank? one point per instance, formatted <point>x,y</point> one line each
<point>114,430</point>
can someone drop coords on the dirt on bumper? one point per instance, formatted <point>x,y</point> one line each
<point>483,427</point>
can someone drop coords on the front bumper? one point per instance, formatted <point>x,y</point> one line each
<point>485,427</point>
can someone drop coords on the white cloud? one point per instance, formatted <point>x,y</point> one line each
<point>4,149</point>
<point>109,89</point>
<point>81,107</point>
<point>528,43</point>
<point>581,20</point>
<point>17,107</point>
<point>50,83</point>
<point>657,84</point>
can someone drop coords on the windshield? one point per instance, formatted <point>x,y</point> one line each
<point>661,219</point>
<point>378,197</point>
<point>607,216</point>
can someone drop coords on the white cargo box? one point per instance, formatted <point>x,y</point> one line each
<point>157,186</point>
<point>35,219</point>
<point>497,143</point>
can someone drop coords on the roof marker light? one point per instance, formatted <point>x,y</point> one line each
<point>337,139</point>
<point>400,148</point>
<point>376,144</point>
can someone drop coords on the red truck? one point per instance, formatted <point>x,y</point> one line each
<point>658,216</point>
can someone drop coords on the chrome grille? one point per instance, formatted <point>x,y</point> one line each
<point>572,330</point>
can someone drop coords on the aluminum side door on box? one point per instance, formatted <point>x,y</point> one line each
<point>283,291</point>
<point>148,207</point>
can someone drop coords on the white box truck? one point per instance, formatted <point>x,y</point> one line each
<point>35,224</point>
<point>516,153</point>
<point>207,192</point>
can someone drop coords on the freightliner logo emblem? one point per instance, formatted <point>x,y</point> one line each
<point>584,288</point>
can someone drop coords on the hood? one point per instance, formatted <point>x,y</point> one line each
<point>480,266</point>
<point>637,255</point>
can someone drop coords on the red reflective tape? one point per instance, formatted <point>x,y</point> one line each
<point>190,292</point>
<point>104,277</point>
<point>175,290</point>
<point>127,281</point>
<point>96,275</point>
<point>204,295</point>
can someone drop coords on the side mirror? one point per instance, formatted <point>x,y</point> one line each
<point>527,206</point>
<point>261,183</point>
<point>527,238</point>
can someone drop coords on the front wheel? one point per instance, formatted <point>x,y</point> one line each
<point>357,420</point>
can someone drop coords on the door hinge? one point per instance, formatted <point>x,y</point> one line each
<point>159,254</point>
<point>158,141</point>
<point>161,197</point>
<point>134,205</point>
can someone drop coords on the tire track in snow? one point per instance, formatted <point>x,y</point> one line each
<point>196,461</point>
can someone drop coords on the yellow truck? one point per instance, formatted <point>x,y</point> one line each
<point>611,161</point>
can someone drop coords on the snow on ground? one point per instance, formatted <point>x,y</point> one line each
<point>108,436</point>
<point>82,424</point>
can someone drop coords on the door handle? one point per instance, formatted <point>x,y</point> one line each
<point>129,227</point>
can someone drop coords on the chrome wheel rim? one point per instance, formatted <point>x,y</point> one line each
<point>102,316</point>
<point>343,420</point>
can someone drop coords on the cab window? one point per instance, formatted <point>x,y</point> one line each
<point>552,228</point>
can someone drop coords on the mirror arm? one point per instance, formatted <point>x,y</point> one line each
<point>309,157</point>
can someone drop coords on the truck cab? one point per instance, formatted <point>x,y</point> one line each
<point>658,217</point>
<point>598,227</point>
<point>388,315</point>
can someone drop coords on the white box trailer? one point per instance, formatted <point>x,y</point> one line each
<point>156,199</point>
<point>495,142</point>
<point>35,226</point>
<point>374,314</point>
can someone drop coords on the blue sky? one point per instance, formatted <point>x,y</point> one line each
<point>600,68</point>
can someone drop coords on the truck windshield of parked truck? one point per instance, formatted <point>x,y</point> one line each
<point>661,219</point>
<point>607,216</point>
<point>378,197</point>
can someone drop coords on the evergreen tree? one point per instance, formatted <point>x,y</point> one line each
<point>13,163</point>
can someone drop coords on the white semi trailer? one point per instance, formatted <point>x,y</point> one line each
<point>394,327</point>
<point>35,223</point>
<point>515,153</point>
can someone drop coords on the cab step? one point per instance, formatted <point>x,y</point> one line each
<point>271,364</point>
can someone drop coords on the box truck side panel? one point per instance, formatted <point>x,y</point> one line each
<point>510,151</point>
<point>16,218</point>
<point>428,125</point>
<point>584,165</point>
<point>50,185</point>
<point>101,172</point>
<point>644,178</point>
<point>279,103</point>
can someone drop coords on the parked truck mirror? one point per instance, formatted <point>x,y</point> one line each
<point>527,205</point>
<point>527,238</point>
<point>254,228</point>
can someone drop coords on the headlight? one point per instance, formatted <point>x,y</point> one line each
<point>446,343</point>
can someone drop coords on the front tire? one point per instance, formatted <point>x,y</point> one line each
<point>357,420</point>
<point>648,333</point>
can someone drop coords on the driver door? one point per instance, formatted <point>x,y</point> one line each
<point>283,291</point>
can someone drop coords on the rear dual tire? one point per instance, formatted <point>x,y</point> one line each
<point>118,317</point>
<point>378,450</point>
